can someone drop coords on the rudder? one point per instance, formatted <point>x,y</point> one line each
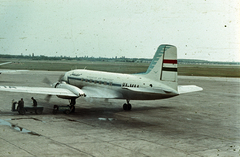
<point>169,67</point>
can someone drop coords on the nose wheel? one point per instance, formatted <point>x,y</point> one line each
<point>127,106</point>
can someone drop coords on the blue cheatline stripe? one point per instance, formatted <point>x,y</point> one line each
<point>97,82</point>
<point>115,84</point>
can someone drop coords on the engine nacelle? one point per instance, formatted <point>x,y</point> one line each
<point>77,91</point>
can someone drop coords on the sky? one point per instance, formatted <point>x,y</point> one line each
<point>200,29</point>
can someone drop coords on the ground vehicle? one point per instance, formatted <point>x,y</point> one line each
<point>37,110</point>
<point>23,110</point>
<point>66,109</point>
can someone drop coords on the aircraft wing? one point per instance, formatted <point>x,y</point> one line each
<point>95,92</point>
<point>39,90</point>
<point>188,88</point>
<point>4,64</point>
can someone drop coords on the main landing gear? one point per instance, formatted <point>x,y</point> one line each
<point>127,106</point>
<point>72,104</point>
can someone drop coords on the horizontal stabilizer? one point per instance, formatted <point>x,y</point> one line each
<point>152,90</point>
<point>188,89</point>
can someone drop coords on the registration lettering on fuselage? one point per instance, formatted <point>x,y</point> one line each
<point>130,85</point>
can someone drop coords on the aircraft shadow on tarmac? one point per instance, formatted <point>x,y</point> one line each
<point>8,82</point>
<point>169,121</point>
<point>91,111</point>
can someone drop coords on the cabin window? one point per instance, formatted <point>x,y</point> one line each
<point>105,83</point>
<point>110,84</point>
<point>95,81</point>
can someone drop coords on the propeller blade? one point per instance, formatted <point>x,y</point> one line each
<point>47,98</point>
<point>47,81</point>
<point>60,78</point>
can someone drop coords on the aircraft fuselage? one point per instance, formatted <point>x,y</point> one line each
<point>118,86</point>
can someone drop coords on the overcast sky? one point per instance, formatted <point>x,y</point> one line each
<point>201,29</point>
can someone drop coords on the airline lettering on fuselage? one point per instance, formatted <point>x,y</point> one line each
<point>76,74</point>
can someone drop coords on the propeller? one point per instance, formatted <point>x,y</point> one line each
<point>60,78</point>
<point>47,81</point>
<point>47,98</point>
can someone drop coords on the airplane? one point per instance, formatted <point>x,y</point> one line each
<point>9,71</point>
<point>158,82</point>
<point>4,64</point>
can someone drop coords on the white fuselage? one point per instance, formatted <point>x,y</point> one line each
<point>118,86</point>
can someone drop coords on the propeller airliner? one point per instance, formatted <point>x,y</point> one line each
<point>158,82</point>
<point>4,64</point>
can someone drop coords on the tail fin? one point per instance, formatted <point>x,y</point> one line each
<point>164,66</point>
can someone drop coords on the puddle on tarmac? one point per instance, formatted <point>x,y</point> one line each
<point>15,127</point>
<point>107,119</point>
<point>72,120</point>
<point>27,118</point>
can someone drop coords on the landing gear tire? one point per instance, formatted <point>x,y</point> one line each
<point>127,107</point>
<point>67,111</point>
<point>38,111</point>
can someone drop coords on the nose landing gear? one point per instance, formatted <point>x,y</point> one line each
<point>127,106</point>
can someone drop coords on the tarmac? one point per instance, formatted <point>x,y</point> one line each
<point>205,123</point>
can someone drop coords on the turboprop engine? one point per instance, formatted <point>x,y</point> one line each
<point>78,92</point>
<point>74,91</point>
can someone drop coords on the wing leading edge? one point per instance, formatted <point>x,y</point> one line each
<point>39,90</point>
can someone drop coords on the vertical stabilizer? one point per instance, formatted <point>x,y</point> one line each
<point>164,66</point>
